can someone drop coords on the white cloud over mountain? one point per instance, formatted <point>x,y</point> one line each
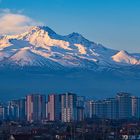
<point>14,23</point>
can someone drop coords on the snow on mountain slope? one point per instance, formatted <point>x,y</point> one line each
<point>125,58</point>
<point>25,57</point>
<point>4,42</point>
<point>81,48</point>
<point>41,46</point>
<point>4,54</point>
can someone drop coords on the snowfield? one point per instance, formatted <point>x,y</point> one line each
<point>42,47</point>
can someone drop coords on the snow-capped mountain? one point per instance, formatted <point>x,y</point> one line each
<point>41,60</point>
<point>124,57</point>
<point>42,47</point>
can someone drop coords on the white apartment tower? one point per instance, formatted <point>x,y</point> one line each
<point>68,107</point>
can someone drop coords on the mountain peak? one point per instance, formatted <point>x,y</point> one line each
<point>123,52</point>
<point>75,34</point>
<point>44,28</point>
<point>125,58</point>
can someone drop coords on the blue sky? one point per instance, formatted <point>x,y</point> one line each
<point>113,23</point>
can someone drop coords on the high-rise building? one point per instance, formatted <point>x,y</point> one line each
<point>99,109</point>
<point>13,110</point>
<point>107,108</point>
<point>135,107</point>
<point>36,107</point>
<point>80,108</point>
<point>1,112</point>
<point>124,105</point>
<point>80,113</point>
<point>80,101</point>
<point>111,105</point>
<point>54,107</point>
<point>22,109</point>
<point>89,109</point>
<point>68,107</point>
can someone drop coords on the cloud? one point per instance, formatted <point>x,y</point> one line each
<point>14,23</point>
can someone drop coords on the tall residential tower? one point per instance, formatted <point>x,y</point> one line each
<point>36,107</point>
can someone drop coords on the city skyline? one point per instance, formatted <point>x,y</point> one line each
<point>70,107</point>
<point>68,115</point>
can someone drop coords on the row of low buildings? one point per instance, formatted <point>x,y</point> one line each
<point>70,107</point>
<point>123,106</point>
